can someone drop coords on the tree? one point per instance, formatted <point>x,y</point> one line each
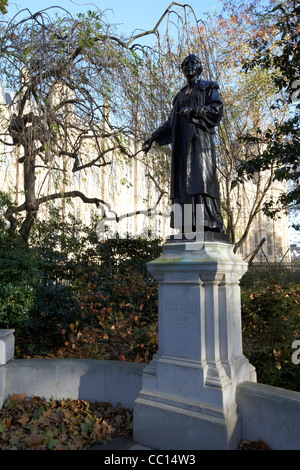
<point>81,86</point>
<point>246,106</point>
<point>74,85</point>
<point>248,99</point>
<point>277,51</point>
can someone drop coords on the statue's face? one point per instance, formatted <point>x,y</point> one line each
<point>191,68</point>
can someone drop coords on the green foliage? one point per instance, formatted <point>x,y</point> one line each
<point>16,302</point>
<point>269,275</point>
<point>61,247</point>
<point>270,318</point>
<point>3,5</point>
<point>18,264</point>
<point>55,307</point>
<point>116,255</point>
<point>18,274</point>
<point>67,249</point>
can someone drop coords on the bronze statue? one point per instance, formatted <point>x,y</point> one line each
<point>197,110</point>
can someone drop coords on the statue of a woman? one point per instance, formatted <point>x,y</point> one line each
<point>197,111</point>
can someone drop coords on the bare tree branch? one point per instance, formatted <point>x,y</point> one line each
<point>71,194</point>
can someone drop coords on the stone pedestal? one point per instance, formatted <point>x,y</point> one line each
<point>187,399</point>
<point>7,351</point>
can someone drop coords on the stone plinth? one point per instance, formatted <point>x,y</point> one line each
<point>7,351</point>
<point>7,346</point>
<point>187,399</point>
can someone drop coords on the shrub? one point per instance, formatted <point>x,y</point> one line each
<point>61,252</point>
<point>16,302</point>
<point>54,309</point>
<point>119,254</point>
<point>18,274</point>
<point>266,275</point>
<point>119,316</point>
<point>270,325</point>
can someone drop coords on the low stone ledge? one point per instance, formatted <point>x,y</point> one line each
<point>271,414</point>
<point>87,379</point>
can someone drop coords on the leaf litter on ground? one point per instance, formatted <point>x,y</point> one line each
<point>37,424</point>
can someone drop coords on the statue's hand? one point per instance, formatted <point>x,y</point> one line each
<point>147,145</point>
<point>186,112</point>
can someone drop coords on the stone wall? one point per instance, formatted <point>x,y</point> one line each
<point>271,414</point>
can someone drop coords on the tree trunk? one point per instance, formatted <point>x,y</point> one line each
<point>31,203</point>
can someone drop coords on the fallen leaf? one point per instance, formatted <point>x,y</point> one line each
<point>7,422</point>
<point>96,434</point>
<point>52,443</point>
<point>23,420</point>
<point>18,397</point>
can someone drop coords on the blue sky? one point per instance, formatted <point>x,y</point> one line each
<point>127,14</point>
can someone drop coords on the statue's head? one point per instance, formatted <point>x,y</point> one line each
<point>191,65</point>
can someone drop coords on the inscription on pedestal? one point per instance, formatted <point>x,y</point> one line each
<point>182,310</point>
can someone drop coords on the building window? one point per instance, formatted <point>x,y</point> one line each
<point>269,245</point>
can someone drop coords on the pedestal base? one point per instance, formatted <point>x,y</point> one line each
<point>187,399</point>
<point>164,426</point>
